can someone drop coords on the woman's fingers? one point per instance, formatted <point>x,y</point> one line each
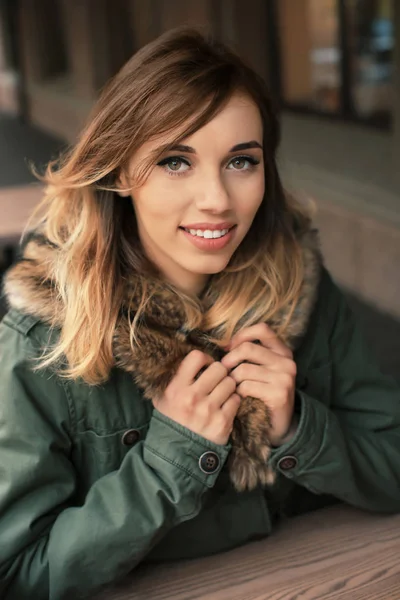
<point>258,355</point>
<point>265,335</point>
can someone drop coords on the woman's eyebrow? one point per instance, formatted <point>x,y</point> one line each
<point>242,146</point>
<point>182,148</point>
<point>246,146</point>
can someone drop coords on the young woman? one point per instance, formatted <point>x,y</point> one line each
<point>178,369</point>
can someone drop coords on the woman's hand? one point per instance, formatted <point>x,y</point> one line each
<point>206,404</point>
<point>269,374</point>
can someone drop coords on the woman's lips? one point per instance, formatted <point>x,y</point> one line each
<point>210,244</point>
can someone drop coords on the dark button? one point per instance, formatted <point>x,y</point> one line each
<point>130,437</point>
<point>287,463</point>
<point>209,462</point>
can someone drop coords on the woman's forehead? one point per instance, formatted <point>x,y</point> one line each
<point>239,118</point>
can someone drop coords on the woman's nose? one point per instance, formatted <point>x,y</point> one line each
<point>212,195</point>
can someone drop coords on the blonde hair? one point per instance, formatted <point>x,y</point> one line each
<point>175,84</point>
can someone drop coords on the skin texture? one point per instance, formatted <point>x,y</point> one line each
<point>213,184</point>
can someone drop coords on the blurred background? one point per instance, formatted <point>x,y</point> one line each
<point>331,67</point>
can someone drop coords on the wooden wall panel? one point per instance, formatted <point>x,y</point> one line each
<point>85,60</point>
<point>251,33</point>
<point>97,41</point>
<point>41,43</point>
<point>295,50</point>
<point>244,29</point>
<point>153,17</point>
<point>145,18</point>
<point>185,12</point>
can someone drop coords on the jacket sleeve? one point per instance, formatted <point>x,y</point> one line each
<point>351,448</point>
<point>52,548</point>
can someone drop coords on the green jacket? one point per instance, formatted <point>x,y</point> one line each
<point>94,481</point>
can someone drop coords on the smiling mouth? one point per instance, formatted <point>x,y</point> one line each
<point>208,233</point>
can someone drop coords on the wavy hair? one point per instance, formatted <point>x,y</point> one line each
<point>174,85</point>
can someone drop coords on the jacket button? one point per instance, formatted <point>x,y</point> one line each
<point>130,437</point>
<point>287,463</point>
<point>209,462</point>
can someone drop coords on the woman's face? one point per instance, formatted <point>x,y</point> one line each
<point>199,201</point>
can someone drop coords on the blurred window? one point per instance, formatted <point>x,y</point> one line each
<point>309,38</point>
<point>335,57</point>
<point>371,42</point>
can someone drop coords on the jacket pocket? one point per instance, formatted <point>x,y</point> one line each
<point>100,454</point>
<point>316,382</point>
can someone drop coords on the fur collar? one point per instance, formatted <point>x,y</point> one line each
<point>164,340</point>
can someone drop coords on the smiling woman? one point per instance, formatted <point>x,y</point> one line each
<point>176,362</point>
<point>203,199</point>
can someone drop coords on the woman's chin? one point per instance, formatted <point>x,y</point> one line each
<point>212,266</point>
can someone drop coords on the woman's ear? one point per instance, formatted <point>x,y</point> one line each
<point>122,184</point>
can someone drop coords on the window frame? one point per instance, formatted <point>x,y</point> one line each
<point>346,111</point>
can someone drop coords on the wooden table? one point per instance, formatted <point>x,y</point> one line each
<point>334,553</point>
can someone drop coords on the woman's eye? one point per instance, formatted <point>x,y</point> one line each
<point>243,163</point>
<point>174,164</point>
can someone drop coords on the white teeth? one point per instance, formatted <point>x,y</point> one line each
<point>208,234</point>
